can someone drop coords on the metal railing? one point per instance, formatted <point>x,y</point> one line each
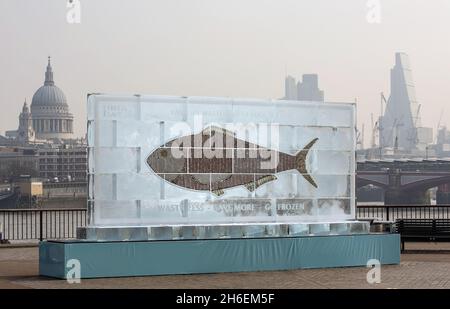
<point>28,224</point>
<point>394,212</point>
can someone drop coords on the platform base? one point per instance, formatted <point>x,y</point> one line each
<point>142,258</point>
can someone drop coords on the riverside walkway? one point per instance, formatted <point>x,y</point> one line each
<point>424,265</point>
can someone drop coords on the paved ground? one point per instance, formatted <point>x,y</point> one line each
<point>423,266</point>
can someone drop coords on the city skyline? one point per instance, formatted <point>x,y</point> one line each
<point>223,49</point>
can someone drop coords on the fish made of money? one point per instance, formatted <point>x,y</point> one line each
<point>214,160</point>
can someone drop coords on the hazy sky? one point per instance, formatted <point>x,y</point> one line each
<point>239,48</point>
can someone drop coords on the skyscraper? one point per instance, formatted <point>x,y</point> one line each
<point>306,90</point>
<point>290,89</point>
<point>398,125</point>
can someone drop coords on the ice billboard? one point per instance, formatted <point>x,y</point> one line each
<point>199,160</point>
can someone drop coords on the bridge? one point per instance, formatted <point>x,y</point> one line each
<point>406,181</point>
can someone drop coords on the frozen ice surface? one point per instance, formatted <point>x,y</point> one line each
<point>162,212</point>
<point>292,139</point>
<point>329,138</point>
<point>293,113</point>
<point>209,110</point>
<point>177,193</point>
<point>170,130</point>
<point>104,188</point>
<point>247,111</point>
<point>124,130</point>
<point>319,229</point>
<point>116,160</point>
<point>329,162</point>
<point>125,133</point>
<point>113,107</point>
<point>108,212</point>
<point>335,115</point>
<point>138,134</point>
<point>294,185</point>
<point>138,186</point>
<point>163,108</point>
<point>334,207</point>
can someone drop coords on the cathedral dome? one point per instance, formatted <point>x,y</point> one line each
<point>50,111</point>
<point>49,94</point>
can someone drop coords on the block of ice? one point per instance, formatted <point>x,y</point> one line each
<point>114,107</point>
<point>163,108</point>
<point>293,113</point>
<point>162,212</point>
<point>335,115</point>
<point>105,186</point>
<point>329,138</point>
<point>116,213</point>
<point>123,131</point>
<point>248,111</point>
<point>334,207</point>
<point>209,110</point>
<point>330,162</point>
<point>116,160</point>
<point>138,186</point>
<point>138,134</point>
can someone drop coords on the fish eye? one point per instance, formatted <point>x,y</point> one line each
<point>163,153</point>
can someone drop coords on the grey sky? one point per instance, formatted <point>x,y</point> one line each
<point>238,48</point>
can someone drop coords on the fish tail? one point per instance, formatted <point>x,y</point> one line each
<point>300,162</point>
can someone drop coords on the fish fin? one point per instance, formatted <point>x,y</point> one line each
<point>300,162</point>
<point>212,128</point>
<point>252,186</point>
<point>218,192</point>
<point>265,179</point>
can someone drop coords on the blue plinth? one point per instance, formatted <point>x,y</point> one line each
<point>142,258</point>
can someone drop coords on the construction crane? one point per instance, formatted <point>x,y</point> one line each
<point>415,136</point>
<point>360,137</point>
<point>375,127</point>
<point>383,99</point>
<point>380,122</point>
<point>439,125</point>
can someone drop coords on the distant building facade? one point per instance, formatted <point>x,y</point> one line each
<point>25,133</point>
<point>44,140</point>
<point>16,160</point>
<point>306,90</point>
<point>48,117</point>
<point>65,162</point>
<point>443,142</point>
<point>290,88</point>
<point>50,111</point>
<point>400,126</point>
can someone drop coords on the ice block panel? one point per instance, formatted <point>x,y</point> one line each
<point>201,108</point>
<point>135,176</point>
<point>293,113</point>
<point>163,108</point>
<point>116,160</point>
<point>335,115</point>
